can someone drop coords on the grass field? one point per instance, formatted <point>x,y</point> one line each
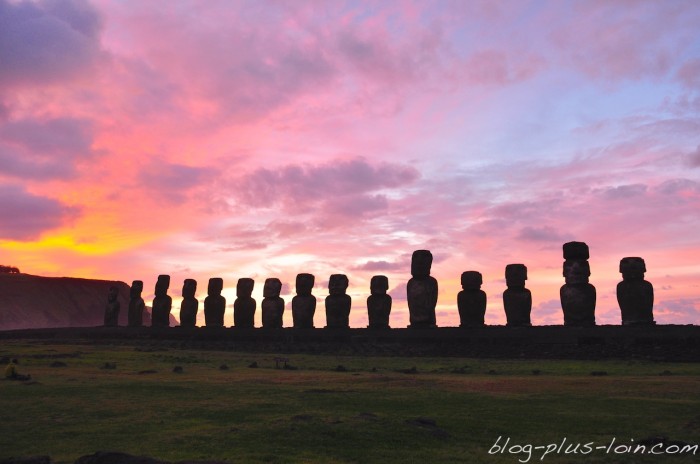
<point>332,409</point>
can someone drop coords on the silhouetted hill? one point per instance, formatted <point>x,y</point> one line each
<point>28,301</point>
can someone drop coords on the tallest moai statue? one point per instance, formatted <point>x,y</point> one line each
<point>162,303</point>
<point>578,297</point>
<point>422,291</point>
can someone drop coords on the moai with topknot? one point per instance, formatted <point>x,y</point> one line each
<point>272,304</point>
<point>471,301</point>
<point>214,303</point>
<point>136,304</point>
<point>578,297</point>
<point>190,304</point>
<point>379,303</point>
<point>422,291</point>
<point>162,303</point>
<point>112,308</point>
<point>634,294</point>
<point>244,305</point>
<point>304,303</point>
<point>517,300</point>
<point>338,303</point>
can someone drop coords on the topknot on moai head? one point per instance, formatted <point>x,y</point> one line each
<point>216,285</point>
<point>516,275</point>
<point>575,250</point>
<point>136,288</point>
<point>189,288</point>
<point>272,288</point>
<point>162,284</point>
<point>379,285</point>
<point>472,280</point>
<point>338,284</point>
<point>632,268</point>
<point>305,283</point>
<point>576,271</point>
<point>244,287</point>
<point>421,262</point>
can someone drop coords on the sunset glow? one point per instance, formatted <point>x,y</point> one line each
<point>263,139</point>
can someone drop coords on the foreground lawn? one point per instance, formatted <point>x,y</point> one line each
<point>333,409</point>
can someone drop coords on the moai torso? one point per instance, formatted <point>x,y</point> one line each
<point>214,303</point>
<point>471,301</point>
<point>112,308</point>
<point>304,303</point>
<point>517,300</point>
<point>578,297</point>
<point>422,291</point>
<point>162,303</point>
<point>379,303</point>
<point>190,305</point>
<point>338,303</point>
<point>244,306</point>
<point>136,304</point>
<point>272,304</point>
<point>634,294</point>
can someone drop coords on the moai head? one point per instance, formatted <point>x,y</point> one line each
<point>420,263</point>
<point>272,288</point>
<point>189,288</point>
<point>379,285</point>
<point>305,283</point>
<point>113,294</point>
<point>136,289</point>
<point>577,271</point>
<point>216,284</point>
<point>244,288</point>
<point>575,250</point>
<point>472,280</point>
<point>516,275</point>
<point>632,268</point>
<point>162,285</point>
<point>338,284</point>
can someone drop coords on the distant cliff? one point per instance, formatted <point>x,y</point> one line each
<point>28,301</point>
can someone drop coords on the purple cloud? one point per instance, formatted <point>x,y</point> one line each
<point>172,181</point>
<point>694,158</point>
<point>382,265</point>
<point>541,234</point>
<point>26,216</point>
<point>67,136</point>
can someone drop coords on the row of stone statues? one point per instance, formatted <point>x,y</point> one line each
<point>578,298</point>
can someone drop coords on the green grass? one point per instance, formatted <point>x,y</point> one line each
<point>314,414</point>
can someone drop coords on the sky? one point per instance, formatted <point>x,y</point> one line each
<point>268,138</point>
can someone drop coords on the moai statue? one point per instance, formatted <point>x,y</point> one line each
<point>517,300</point>
<point>338,303</point>
<point>422,291</point>
<point>304,303</point>
<point>136,304</point>
<point>471,301</point>
<point>634,294</point>
<point>244,306</point>
<point>272,304</point>
<point>162,303</point>
<point>190,304</point>
<point>214,303</point>
<point>578,297</point>
<point>112,308</point>
<point>379,303</point>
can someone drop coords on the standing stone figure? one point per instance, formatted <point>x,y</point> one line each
<point>136,304</point>
<point>244,305</point>
<point>304,303</point>
<point>578,297</point>
<point>112,308</point>
<point>190,304</point>
<point>471,301</point>
<point>422,291</point>
<point>162,303</point>
<point>272,304</point>
<point>214,303</point>
<point>517,300</point>
<point>379,303</point>
<point>634,294</point>
<point>338,303</point>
